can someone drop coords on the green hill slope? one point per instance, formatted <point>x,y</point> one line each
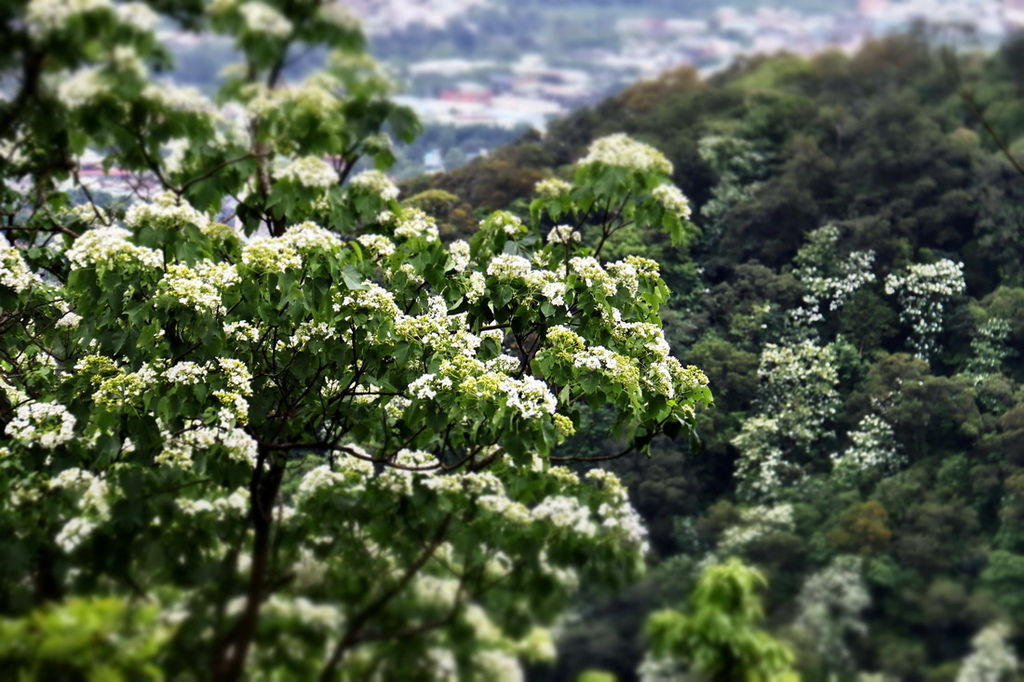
<point>867,448</point>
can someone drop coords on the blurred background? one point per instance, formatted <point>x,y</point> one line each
<point>480,73</point>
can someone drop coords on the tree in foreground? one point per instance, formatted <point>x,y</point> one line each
<point>719,637</point>
<point>312,440</point>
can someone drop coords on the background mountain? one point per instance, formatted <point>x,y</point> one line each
<point>890,395</point>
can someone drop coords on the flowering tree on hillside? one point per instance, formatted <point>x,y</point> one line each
<point>260,421</point>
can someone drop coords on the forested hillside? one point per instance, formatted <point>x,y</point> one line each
<point>856,297</point>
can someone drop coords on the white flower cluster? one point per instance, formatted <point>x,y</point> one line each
<point>798,399</point>
<point>260,17</point>
<point>530,397</point>
<point>379,246</point>
<point>270,254</point>
<point>828,280</point>
<point>412,223</point>
<point>186,372</point>
<point>236,375</point>
<point>74,533</point>
<point>89,213</point>
<point>93,490</point>
<point>498,666</point>
<point>406,467</point>
<point>314,95</point>
<point>310,171</point>
<point>108,247</point>
<point>166,211</point>
<point>14,271</point>
<point>114,386</point>
<point>435,591</point>
<point>278,254</point>
<point>349,474</point>
<point>81,87</point>
<point>831,602</point>
<point>234,504</point>
<point>992,658</point>
<point>138,15</point>
<point>922,291</point>
<point>338,14</point>
<point>625,275</point>
<point>755,523</point>
<point>308,237</point>
<point>654,668</point>
<point>552,187</point>
<point>48,16</point>
<point>507,223</point>
<point>672,200</point>
<point>327,618</point>
<point>872,448</point>
<point>617,367</point>
<point>68,319</point>
<point>476,286</point>
<point>180,448</point>
<point>306,332</point>
<point>623,151</point>
<point>373,298</point>
<point>43,424</point>
<point>459,253</point>
<point>126,61</point>
<point>200,287</point>
<point>989,347</point>
<point>590,271</point>
<point>375,182</point>
<point>566,512</point>
<point>178,98</point>
<point>563,234</point>
<point>619,515</point>
<point>242,330</point>
<point>507,267</point>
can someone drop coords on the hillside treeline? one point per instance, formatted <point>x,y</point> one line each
<point>857,298</point>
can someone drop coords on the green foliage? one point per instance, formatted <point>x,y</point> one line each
<point>817,182</point>
<point>315,440</point>
<point>94,638</point>
<point>719,635</point>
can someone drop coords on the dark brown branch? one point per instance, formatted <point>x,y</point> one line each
<point>232,650</point>
<point>360,620</point>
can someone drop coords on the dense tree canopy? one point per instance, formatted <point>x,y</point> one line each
<point>261,421</point>
<point>855,300</point>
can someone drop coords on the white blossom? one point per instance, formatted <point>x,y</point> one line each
<point>922,291</point>
<point>992,658</point>
<point>552,187</point>
<point>14,271</point>
<point>563,234</point>
<point>74,533</point>
<point>47,16</point>
<point>106,247</point>
<point>310,171</point>
<point>672,200</point>
<point>412,223</point>
<point>623,151</point>
<point>377,183</point>
<point>200,287</point>
<point>167,211</point>
<point>47,425</point>
<point>262,18</point>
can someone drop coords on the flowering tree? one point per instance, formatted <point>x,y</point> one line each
<point>922,291</point>
<point>260,421</point>
<point>828,279</point>
<point>798,400</point>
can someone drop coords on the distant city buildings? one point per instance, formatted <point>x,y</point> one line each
<point>532,90</point>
